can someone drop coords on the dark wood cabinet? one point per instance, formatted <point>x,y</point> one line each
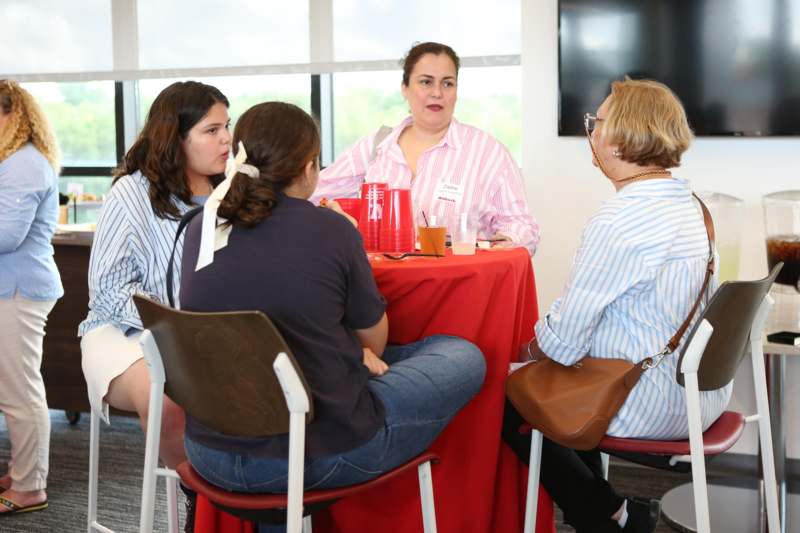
<point>61,362</point>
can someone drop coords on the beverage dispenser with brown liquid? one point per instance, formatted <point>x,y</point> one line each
<point>782,225</point>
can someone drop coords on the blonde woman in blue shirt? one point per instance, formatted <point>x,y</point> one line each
<point>29,288</point>
<point>174,164</point>
<point>640,267</point>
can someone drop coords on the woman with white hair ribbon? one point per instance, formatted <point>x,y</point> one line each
<point>216,230</point>
<point>305,268</point>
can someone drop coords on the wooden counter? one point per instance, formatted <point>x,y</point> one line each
<point>61,362</point>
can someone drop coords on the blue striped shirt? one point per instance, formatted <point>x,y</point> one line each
<point>638,271</point>
<point>130,254</point>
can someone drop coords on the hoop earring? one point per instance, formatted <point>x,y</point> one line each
<point>616,153</point>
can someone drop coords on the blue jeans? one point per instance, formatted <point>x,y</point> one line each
<point>428,382</point>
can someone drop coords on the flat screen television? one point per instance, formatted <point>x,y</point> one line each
<point>735,64</point>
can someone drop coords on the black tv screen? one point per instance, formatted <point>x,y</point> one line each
<point>735,64</point>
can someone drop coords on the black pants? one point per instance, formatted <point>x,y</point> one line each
<point>574,479</point>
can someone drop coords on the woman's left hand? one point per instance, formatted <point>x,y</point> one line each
<point>530,351</point>
<point>499,240</point>
<point>376,365</point>
<point>333,205</point>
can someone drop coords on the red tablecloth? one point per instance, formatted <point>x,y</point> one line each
<point>489,299</point>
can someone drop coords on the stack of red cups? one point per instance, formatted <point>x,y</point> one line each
<point>397,226</point>
<point>369,220</point>
<point>351,206</point>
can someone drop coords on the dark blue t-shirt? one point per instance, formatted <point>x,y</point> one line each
<point>306,269</point>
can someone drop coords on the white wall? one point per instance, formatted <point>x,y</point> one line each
<point>564,188</point>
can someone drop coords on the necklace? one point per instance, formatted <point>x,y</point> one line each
<point>653,172</point>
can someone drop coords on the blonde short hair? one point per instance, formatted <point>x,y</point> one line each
<point>647,123</point>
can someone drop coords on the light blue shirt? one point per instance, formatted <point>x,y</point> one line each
<point>130,254</point>
<point>638,271</point>
<point>28,217</point>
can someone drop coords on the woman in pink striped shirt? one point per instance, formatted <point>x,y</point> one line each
<point>450,167</point>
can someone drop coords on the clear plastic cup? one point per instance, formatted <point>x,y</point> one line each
<point>431,234</point>
<point>464,233</point>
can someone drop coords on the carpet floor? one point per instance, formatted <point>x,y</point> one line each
<point>121,460</point>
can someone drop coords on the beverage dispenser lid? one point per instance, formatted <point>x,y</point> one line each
<point>718,198</point>
<point>784,196</point>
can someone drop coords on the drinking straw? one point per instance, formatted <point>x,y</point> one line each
<point>425,218</point>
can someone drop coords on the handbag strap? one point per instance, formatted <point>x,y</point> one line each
<point>187,217</point>
<point>675,341</point>
<point>380,135</point>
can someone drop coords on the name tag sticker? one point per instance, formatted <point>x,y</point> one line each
<point>449,192</point>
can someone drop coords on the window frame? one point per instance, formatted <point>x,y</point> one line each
<point>321,69</point>
<point>119,142</point>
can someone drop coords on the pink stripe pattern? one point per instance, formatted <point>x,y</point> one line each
<point>488,177</point>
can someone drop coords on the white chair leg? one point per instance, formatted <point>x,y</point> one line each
<point>172,504</point>
<point>698,456</point>
<point>298,404</point>
<point>426,497</point>
<point>532,498</point>
<point>294,497</point>
<point>307,524</point>
<point>764,428</point>
<point>604,461</point>
<point>94,463</point>
<point>149,475</point>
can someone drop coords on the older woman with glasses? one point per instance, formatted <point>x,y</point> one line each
<point>640,267</point>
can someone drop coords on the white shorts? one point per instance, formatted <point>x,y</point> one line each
<point>105,354</point>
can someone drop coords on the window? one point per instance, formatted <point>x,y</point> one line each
<point>378,29</point>
<point>209,33</point>
<point>488,98</point>
<point>242,91</point>
<point>362,102</point>
<point>83,120</point>
<point>82,117</point>
<point>253,51</point>
<point>53,36</point>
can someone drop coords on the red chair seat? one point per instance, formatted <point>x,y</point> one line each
<point>239,500</point>
<point>716,439</point>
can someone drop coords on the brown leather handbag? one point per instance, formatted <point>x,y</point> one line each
<point>573,405</point>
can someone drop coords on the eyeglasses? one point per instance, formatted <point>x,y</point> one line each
<point>590,123</point>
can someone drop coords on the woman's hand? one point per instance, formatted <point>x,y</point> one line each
<point>375,365</point>
<point>499,240</point>
<point>333,205</point>
<point>530,351</point>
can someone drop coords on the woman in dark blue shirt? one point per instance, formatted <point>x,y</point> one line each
<point>376,406</point>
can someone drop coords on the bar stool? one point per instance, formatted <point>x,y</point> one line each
<point>234,373</point>
<point>732,321</point>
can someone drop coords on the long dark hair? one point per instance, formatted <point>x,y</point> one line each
<point>158,152</point>
<point>280,140</point>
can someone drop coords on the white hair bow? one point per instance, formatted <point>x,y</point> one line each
<point>214,236</point>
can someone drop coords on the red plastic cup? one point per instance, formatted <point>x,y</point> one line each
<point>351,206</point>
<point>371,214</point>
<point>397,228</point>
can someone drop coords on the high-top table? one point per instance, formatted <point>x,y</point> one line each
<point>479,486</point>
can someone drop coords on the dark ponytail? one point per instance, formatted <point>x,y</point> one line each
<point>280,140</point>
